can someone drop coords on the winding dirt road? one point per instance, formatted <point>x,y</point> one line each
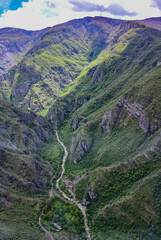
<point>44,229</point>
<point>73,201</point>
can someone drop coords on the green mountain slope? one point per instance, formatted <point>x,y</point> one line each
<point>56,60</point>
<point>30,159</point>
<point>98,82</point>
<point>110,120</point>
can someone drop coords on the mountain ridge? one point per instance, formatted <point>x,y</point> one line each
<point>97,82</point>
<point>153,22</point>
<point>72,58</point>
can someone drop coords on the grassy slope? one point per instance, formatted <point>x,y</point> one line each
<point>127,195</point>
<point>129,69</point>
<point>56,60</point>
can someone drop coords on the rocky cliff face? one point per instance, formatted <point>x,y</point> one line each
<point>96,73</point>
<point>58,113</point>
<point>133,109</point>
<point>110,118</point>
<point>90,197</point>
<point>81,143</point>
<point>22,133</point>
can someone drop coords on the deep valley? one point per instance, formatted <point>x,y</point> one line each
<point>80,131</point>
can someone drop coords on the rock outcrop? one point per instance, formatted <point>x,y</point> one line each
<point>57,113</point>
<point>133,109</point>
<point>77,121</point>
<point>80,145</point>
<point>22,133</point>
<point>21,130</point>
<point>110,118</point>
<point>89,197</point>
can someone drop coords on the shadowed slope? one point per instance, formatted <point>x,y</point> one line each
<point>13,45</point>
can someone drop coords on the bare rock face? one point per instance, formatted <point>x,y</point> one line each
<point>22,131</point>
<point>89,198</point>
<point>137,111</point>
<point>133,109</point>
<point>110,118</point>
<point>77,121</point>
<point>57,114</point>
<point>107,122</point>
<point>80,145</point>
<point>41,132</point>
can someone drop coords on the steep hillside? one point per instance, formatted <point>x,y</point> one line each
<point>56,60</point>
<point>30,162</point>
<point>13,45</point>
<point>24,175</point>
<point>97,81</point>
<point>110,120</point>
